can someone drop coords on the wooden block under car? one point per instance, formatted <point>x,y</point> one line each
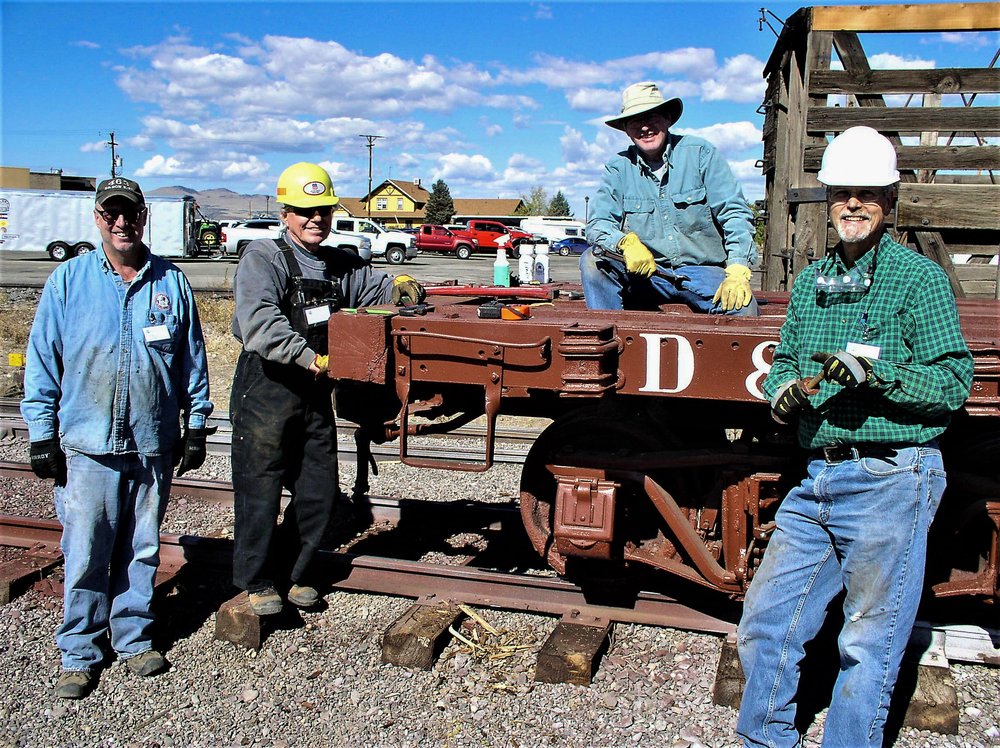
<point>237,623</point>
<point>416,637</point>
<point>570,653</point>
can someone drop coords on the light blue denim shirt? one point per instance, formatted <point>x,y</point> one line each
<point>110,367</point>
<point>696,215</point>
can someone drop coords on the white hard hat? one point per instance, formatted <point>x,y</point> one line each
<point>859,157</point>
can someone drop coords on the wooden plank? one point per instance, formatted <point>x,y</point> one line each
<point>570,653</point>
<point>28,567</point>
<point>906,120</point>
<point>942,206</point>
<point>955,157</point>
<point>924,17</point>
<point>728,687</point>
<point>416,637</point>
<point>937,80</point>
<point>237,623</point>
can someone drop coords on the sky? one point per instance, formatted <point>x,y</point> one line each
<point>496,99</point>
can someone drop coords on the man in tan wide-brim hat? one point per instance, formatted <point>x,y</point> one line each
<point>669,223</point>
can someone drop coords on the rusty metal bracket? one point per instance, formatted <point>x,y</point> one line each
<point>493,392</point>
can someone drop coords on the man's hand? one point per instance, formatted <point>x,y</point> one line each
<point>789,400</point>
<point>638,259</point>
<point>734,292</point>
<point>193,449</point>
<point>48,460</point>
<point>406,291</point>
<point>844,368</point>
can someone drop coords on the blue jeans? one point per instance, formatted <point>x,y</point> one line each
<point>110,508</point>
<point>607,285</point>
<point>860,526</point>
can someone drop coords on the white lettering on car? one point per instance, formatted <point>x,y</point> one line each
<point>685,363</point>
<point>761,369</point>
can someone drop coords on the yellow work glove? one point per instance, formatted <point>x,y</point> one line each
<point>638,258</point>
<point>734,292</point>
<point>406,291</point>
<point>322,363</point>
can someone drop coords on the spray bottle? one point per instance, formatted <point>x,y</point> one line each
<point>501,268</point>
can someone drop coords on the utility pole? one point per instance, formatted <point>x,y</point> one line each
<point>371,147</point>
<point>586,209</point>
<point>116,160</point>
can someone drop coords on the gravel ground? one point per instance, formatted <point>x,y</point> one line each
<point>319,681</point>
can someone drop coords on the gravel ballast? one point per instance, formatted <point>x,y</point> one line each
<point>320,681</point>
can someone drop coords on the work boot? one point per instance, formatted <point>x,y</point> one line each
<point>303,596</point>
<point>73,684</point>
<point>265,602</point>
<point>147,663</point>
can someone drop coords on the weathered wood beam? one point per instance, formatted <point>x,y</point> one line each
<point>923,17</point>
<point>953,157</point>
<point>938,80</point>
<point>907,121</point>
<point>948,206</point>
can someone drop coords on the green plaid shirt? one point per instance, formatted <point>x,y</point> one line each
<point>923,371</point>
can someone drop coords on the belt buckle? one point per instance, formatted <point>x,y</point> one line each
<point>839,453</point>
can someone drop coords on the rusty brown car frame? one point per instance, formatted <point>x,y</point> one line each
<point>661,450</point>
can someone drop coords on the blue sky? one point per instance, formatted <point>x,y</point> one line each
<point>494,98</point>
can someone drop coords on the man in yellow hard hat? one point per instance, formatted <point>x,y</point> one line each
<point>669,223</point>
<point>284,432</point>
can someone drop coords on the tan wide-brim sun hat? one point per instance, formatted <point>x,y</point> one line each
<point>640,98</point>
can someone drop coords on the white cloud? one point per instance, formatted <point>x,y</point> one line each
<point>182,166</point>
<point>97,145</point>
<point>84,44</point>
<point>731,138</point>
<point>463,167</point>
<point>739,79</point>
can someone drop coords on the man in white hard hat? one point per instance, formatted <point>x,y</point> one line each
<point>669,222</point>
<point>879,324</point>
<point>284,433</point>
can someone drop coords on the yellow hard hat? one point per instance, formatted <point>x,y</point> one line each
<point>305,185</point>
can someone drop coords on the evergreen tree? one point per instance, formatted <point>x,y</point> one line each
<point>440,207</point>
<point>559,205</point>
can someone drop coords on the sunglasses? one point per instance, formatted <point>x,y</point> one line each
<point>131,215</point>
<point>323,211</point>
<point>843,195</point>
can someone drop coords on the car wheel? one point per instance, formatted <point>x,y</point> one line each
<point>59,251</point>
<point>395,256</point>
<point>564,251</point>
<point>82,248</point>
<point>463,251</point>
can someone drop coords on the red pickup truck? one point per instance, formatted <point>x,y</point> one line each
<point>487,232</point>
<point>432,238</point>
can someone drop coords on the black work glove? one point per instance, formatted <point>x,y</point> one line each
<point>844,368</point>
<point>192,449</point>
<point>789,400</point>
<point>406,291</point>
<point>48,460</point>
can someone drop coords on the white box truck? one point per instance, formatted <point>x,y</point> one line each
<point>552,228</point>
<point>61,223</point>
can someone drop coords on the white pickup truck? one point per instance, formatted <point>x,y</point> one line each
<point>236,237</point>
<point>395,246</point>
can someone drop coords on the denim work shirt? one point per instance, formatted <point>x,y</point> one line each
<point>110,367</point>
<point>696,215</point>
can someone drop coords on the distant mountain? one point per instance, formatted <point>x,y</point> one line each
<point>219,202</point>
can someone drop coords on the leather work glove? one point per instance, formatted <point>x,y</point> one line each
<point>192,449</point>
<point>845,368</point>
<point>734,292</point>
<point>406,291</point>
<point>48,460</point>
<point>789,400</point>
<point>638,259</point>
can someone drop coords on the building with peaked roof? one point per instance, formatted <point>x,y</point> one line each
<point>399,204</point>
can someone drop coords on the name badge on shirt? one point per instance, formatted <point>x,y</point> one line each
<point>317,314</point>
<point>862,349</point>
<point>155,332</point>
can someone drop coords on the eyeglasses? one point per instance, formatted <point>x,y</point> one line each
<point>641,120</point>
<point>844,195</point>
<point>131,215</point>
<point>323,211</point>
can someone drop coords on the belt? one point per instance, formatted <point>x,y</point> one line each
<point>845,452</point>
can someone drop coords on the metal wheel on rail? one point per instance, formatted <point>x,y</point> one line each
<point>623,432</point>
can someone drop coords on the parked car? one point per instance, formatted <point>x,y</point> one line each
<point>488,232</point>
<point>571,245</point>
<point>432,238</point>
<point>394,247</point>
